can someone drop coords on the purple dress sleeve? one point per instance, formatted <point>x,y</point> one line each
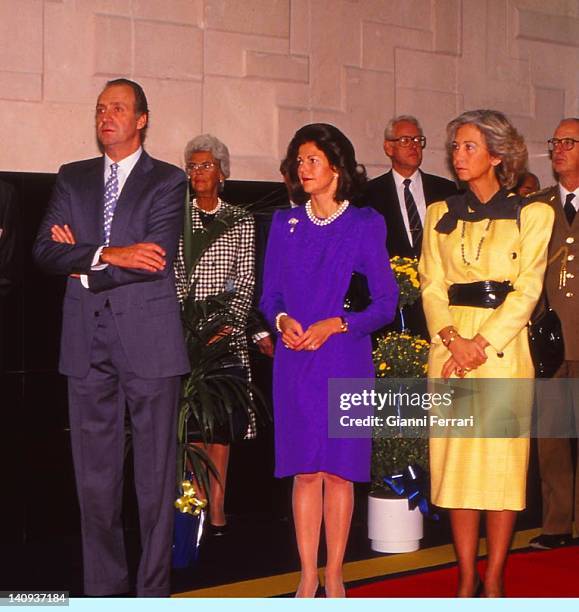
<point>271,303</point>
<point>374,262</point>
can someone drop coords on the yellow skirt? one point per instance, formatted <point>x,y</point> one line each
<point>482,473</point>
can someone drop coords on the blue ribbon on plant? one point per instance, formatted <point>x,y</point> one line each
<point>413,484</point>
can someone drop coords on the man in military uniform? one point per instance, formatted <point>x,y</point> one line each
<point>559,479</point>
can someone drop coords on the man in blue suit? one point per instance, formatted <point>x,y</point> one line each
<point>112,227</point>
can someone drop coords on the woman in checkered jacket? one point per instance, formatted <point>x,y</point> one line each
<point>226,264</point>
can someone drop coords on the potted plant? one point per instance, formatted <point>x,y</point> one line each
<point>209,395</point>
<point>399,463</point>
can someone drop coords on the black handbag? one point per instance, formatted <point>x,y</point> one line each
<point>546,343</point>
<point>357,297</point>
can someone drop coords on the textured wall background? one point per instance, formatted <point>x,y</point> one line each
<point>253,71</point>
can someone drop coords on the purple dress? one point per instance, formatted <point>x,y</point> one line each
<point>307,274</point>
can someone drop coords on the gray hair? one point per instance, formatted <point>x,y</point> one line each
<point>207,142</point>
<point>389,129</point>
<point>502,140</point>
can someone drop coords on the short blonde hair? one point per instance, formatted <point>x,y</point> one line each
<point>502,140</point>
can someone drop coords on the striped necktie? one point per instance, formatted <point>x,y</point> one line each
<point>413,217</point>
<point>111,197</point>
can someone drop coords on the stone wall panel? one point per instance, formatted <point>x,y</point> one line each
<point>224,52</point>
<point>168,51</point>
<point>252,72</point>
<point>268,17</point>
<point>21,36</point>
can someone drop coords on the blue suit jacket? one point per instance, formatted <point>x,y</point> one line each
<point>144,304</point>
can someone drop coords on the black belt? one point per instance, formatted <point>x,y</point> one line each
<point>482,294</point>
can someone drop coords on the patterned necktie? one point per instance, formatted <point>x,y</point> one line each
<point>111,197</point>
<point>569,208</point>
<point>413,216</point>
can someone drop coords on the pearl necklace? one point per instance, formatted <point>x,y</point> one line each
<point>316,221</point>
<point>208,212</point>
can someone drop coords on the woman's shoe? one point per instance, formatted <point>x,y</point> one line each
<point>218,530</point>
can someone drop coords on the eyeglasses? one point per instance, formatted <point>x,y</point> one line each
<point>565,143</point>
<point>204,166</point>
<point>405,141</point>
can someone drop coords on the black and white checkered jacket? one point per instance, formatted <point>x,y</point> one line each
<point>227,265</point>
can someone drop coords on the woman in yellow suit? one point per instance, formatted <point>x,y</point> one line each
<point>481,269</point>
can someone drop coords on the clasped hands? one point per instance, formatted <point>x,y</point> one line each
<point>466,355</point>
<point>295,338</point>
<point>140,256</point>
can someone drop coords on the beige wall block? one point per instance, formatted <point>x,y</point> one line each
<point>369,106</point>
<point>255,168</point>
<point>20,86</point>
<point>551,28</point>
<point>406,13</point>
<point>447,26</point>
<point>242,113</point>
<point>122,8</point>
<point>69,42</point>
<point>47,136</point>
<point>177,11</point>
<point>379,42</point>
<point>290,120</point>
<point>176,116</point>
<point>420,70</point>
<point>334,44</point>
<point>21,36</point>
<point>224,52</point>
<point>277,67</point>
<point>549,105</point>
<point>269,17</point>
<point>434,109</point>
<point>113,45</point>
<point>554,7</point>
<point>300,26</point>
<point>168,51</point>
<point>509,97</point>
<point>292,95</point>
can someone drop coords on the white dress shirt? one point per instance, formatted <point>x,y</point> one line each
<point>417,191</point>
<point>563,193</point>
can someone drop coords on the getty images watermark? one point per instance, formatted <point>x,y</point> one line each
<point>472,408</point>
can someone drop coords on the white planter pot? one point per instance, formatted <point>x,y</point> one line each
<point>392,527</point>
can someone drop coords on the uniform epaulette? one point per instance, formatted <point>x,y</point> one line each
<point>543,195</point>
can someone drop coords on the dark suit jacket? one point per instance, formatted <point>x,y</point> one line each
<point>144,304</point>
<point>380,193</point>
<point>7,235</point>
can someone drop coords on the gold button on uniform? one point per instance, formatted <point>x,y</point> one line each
<point>569,294</point>
<point>570,240</point>
<point>570,257</point>
<point>570,275</point>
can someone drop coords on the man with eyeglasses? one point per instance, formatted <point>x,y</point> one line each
<point>559,478</point>
<point>402,195</point>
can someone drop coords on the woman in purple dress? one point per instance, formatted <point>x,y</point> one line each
<point>311,255</point>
